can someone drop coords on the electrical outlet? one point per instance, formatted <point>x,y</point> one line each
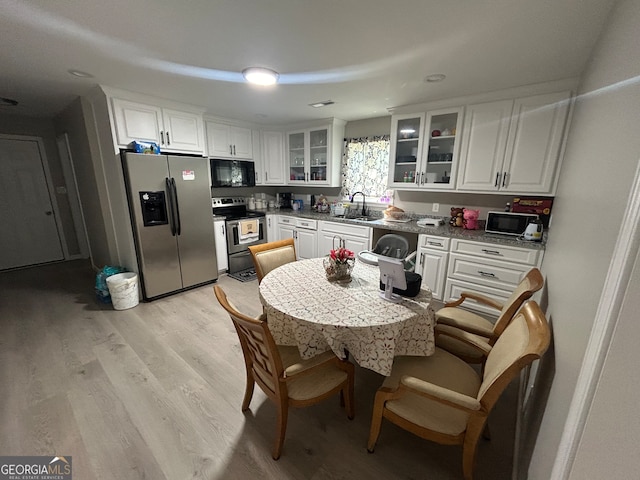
<point>436,207</point>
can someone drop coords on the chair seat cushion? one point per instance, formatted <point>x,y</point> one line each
<point>309,385</point>
<point>443,369</point>
<point>459,317</point>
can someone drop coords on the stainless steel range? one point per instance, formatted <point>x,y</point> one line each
<point>244,229</point>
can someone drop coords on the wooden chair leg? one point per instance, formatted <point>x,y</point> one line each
<point>281,428</point>
<point>469,449</point>
<point>376,422</point>
<point>248,391</point>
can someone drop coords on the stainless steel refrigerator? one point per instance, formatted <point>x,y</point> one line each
<point>170,206</point>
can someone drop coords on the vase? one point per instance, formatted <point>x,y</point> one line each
<point>339,272</point>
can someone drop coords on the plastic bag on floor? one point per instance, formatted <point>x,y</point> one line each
<point>102,291</point>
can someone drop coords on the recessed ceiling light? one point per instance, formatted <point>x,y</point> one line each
<point>436,77</point>
<point>79,73</point>
<point>260,76</point>
<point>8,102</point>
<point>322,104</point>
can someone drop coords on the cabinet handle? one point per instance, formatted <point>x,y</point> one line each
<point>486,274</point>
<point>222,228</point>
<point>230,149</point>
<point>266,176</point>
<point>306,176</point>
<point>504,179</point>
<point>437,244</point>
<point>422,259</point>
<point>491,252</point>
<point>497,180</point>
<point>162,137</point>
<point>168,139</point>
<point>234,149</point>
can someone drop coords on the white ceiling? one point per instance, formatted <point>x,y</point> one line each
<point>365,55</point>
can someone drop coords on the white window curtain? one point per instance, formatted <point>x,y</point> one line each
<point>365,166</point>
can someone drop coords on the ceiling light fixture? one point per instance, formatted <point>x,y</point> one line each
<point>436,77</point>
<point>8,102</point>
<point>322,104</point>
<point>260,76</point>
<point>80,74</point>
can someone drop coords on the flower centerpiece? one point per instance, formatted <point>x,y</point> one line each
<point>339,264</point>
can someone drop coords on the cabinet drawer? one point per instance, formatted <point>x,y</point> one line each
<point>494,273</point>
<point>306,224</point>
<point>500,252</point>
<point>433,242</point>
<point>282,220</point>
<point>344,229</point>
<point>454,288</point>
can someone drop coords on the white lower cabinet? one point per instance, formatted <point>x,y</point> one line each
<point>304,233</point>
<point>490,269</point>
<point>220,236</point>
<point>433,253</point>
<point>354,237</point>
<point>272,229</point>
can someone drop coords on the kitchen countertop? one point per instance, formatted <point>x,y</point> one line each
<point>411,227</point>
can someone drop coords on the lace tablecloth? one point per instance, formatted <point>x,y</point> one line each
<point>306,310</point>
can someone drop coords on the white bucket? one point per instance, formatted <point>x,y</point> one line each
<point>123,288</point>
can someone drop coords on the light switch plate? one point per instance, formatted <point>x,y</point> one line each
<point>436,207</point>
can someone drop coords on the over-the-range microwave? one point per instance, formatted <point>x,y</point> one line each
<point>508,223</point>
<point>232,173</point>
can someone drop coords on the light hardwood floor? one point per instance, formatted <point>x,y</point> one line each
<point>154,392</point>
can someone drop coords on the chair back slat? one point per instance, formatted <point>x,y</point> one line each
<point>259,348</point>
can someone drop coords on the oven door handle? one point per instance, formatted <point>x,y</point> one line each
<point>172,214</point>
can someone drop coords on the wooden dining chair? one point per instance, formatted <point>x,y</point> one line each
<point>270,255</point>
<point>443,399</point>
<point>469,335</point>
<point>284,377</point>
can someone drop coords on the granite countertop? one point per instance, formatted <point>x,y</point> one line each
<point>411,227</point>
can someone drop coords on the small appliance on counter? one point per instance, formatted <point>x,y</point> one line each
<point>508,223</point>
<point>285,200</point>
<point>533,232</point>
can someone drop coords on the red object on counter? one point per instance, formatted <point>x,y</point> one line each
<point>538,205</point>
<point>436,133</point>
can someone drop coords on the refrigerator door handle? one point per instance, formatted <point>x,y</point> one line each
<point>172,214</point>
<point>177,207</point>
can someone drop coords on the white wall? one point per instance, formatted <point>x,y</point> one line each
<point>600,162</point>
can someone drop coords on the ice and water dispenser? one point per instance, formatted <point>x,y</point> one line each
<point>154,208</point>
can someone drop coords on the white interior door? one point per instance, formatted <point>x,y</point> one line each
<point>29,230</point>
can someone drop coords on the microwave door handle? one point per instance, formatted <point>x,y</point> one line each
<point>175,199</point>
<point>172,215</point>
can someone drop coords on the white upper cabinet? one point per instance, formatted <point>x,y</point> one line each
<point>484,142</point>
<point>314,155</point>
<point>535,142</point>
<point>426,157</point>
<point>229,141</point>
<point>513,145</point>
<point>272,162</point>
<point>172,130</point>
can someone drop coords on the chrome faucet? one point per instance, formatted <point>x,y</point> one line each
<point>364,197</point>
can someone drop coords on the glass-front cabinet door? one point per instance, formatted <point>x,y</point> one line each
<point>309,156</point>
<point>440,156</point>
<point>318,140</point>
<point>406,150</point>
<point>296,157</point>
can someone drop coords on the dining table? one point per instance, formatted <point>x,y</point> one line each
<point>306,310</point>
